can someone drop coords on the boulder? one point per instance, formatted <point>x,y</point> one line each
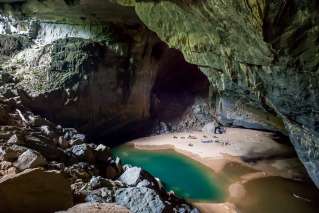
<point>30,159</point>
<point>112,171</point>
<point>139,200</point>
<point>82,152</point>
<point>47,148</point>
<point>15,139</point>
<point>131,176</point>
<point>96,208</point>
<point>35,190</point>
<point>101,195</point>
<point>144,183</point>
<point>11,153</point>
<point>77,139</point>
<point>103,153</point>
<point>135,176</point>
<point>45,129</point>
<point>98,182</point>
<point>81,170</point>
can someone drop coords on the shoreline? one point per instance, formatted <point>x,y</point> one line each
<point>281,163</point>
<point>215,157</point>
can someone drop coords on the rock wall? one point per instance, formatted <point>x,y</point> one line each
<point>260,56</point>
<point>257,53</point>
<point>87,77</point>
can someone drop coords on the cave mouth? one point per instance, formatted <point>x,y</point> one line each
<point>177,86</point>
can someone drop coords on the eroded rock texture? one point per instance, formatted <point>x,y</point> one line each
<point>95,76</point>
<point>260,57</point>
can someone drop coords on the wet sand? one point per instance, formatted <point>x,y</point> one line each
<point>215,207</point>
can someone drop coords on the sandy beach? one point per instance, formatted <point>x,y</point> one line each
<point>254,149</point>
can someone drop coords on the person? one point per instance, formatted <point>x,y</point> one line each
<point>219,129</point>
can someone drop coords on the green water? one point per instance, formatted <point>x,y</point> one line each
<point>187,178</point>
<point>192,181</point>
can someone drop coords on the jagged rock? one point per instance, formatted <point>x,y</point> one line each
<point>53,165</point>
<point>5,78</point>
<point>4,165</point>
<point>252,61</point>
<point>37,121</point>
<point>112,171</point>
<point>63,143</point>
<point>96,208</point>
<point>82,171</point>
<point>35,190</point>
<point>30,159</point>
<point>131,176</point>
<point>101,195</point>
<point>78,66</point>
<point>239,113</point>
<point>10,44</point>
<point>77,139</point>
<point>48,149</point>
<point>16,139</point>
<point>135,176</point>
<point>6,168</point>
<point>139,200</point>
<point>144,183</point>
<point>10,171</point>
<point>69,133</point>
<point>11,153</point>
<point>82,152</point>
<point>98,182</point>
<point>102,153</point>
<point>45,129</point>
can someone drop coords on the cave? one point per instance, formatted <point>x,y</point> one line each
<point>177,85</point>
<point>159,106</point>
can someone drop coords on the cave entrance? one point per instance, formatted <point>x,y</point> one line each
<point>178,86</point>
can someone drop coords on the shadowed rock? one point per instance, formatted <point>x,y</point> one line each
<point>35,190</point>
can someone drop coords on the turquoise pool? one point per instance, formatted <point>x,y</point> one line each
<point>187,178</point>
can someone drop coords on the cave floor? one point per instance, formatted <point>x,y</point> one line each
<point>259,151</point>
<point>256,149</point>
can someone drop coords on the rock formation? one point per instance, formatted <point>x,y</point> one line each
<point>35,190</point>
<point>101,67</point>
<point>45,167</point>
<point>260,57</point>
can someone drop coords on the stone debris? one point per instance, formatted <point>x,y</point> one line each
<point>52,168</point>
<point>148,200</point>
<point>30,159</point>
